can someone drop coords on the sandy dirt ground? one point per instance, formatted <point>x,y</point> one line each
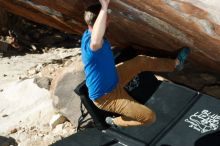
<point>26,109</point>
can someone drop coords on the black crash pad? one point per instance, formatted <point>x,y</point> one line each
<point>201,119</point>
<point>184,118</point>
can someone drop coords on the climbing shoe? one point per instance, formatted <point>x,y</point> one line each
<point>182,56</point>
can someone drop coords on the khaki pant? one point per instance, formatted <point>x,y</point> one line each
<point>118,101</point>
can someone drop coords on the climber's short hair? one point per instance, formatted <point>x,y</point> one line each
<point>91,14</point>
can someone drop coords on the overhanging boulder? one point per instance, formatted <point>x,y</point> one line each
<point>161,25</point>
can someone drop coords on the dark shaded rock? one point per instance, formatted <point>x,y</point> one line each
<point>4,141</point>
<point>3,48</point>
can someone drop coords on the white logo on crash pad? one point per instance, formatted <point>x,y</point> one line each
<point>134,83</point>
<point>204,121</point>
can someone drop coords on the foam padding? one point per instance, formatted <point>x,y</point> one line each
<point>184,118</point>
<point>168,102</point>
<point>197,127</point>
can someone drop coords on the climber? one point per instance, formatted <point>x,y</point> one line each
<point>106,81</point>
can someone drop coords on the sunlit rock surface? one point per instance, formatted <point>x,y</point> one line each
<point>160,25</point>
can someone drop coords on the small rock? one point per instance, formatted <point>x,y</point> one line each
<point>39,67</point>
<point>32,128</point>
<point>34,47</point>
<point>32,71</point>
<point>43,82</point>
<point>68,62</point>
<point>67,124</point>
<point>161,78</point>
<point>56,120</point>
<point>49,69</point>
<point>45,50</point>
<point>23,77</point>
<point>4,75</point>
<point>4,116</point>
<point>1,90</point>
<point>13,131</point>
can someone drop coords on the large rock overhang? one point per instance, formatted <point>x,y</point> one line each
<point>161,25</point>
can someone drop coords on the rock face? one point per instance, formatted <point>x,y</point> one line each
<point>65,100</point>
<point>161,25</point>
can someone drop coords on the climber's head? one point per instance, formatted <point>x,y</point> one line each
<point>91,14</point>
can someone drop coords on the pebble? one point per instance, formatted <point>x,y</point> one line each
<point>5,115</point>
<point>13,131</point>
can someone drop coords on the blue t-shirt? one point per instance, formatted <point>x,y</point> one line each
<point>99,67</point>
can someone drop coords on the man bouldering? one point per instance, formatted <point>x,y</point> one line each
<point>106,81</point>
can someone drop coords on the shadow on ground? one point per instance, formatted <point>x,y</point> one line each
<point>25,36</point>
<point>7,141</point>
